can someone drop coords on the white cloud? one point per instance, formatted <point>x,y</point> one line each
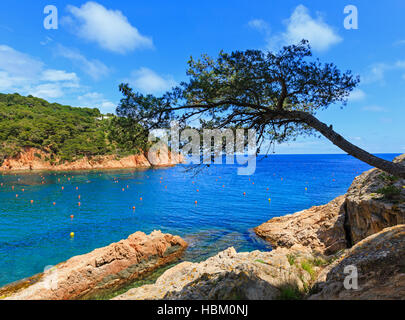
<point>59,75</point>
<point>377,71</point>
<point>148,81</point>
<point>110,29</point>
<point>259,25</point>
<point>357,95</point>
<point>97,100</point>
<point>94,68</point>
<point>18,64</point>
<point>374,108</point>
<point>299,26</point>
<point>46,41</point>
<point>399,43</point>
<point>47,90</point>
<point>22,73</point>
<point>302,26</point>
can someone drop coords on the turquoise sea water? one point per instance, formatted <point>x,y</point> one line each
<point>35,235</point>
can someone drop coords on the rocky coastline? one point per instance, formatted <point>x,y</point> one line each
<point>312,249</point>
<point>104,269</point>
<point>32,159</point>
<point>364,228</point>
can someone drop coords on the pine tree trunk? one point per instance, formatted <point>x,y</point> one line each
<point>392,168</point>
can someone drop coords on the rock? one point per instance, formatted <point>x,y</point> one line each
<point>361,212</point>
<point>101,270</point>
<point>320,228</point>
<point>369,211</point>
<point>35,159</point>
<point>230,275</point>
<point>380,263</point>
<point>162,156</point>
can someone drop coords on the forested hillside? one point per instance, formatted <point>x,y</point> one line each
<point>65,133</point>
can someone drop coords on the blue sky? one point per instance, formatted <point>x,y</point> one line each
<point>147,43</point>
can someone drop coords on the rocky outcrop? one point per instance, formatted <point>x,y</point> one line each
<point>35,159</point>
<point>163,157</point>
<point>380,264</point>
<point>232,275</point>
<point>373,202</point>
<point>294,273</point>
<point>101,270</point>
<point>320,228</point>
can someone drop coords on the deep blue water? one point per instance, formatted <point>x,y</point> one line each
<point>35,235</point>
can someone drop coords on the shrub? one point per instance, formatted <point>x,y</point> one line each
<point>389,192</point>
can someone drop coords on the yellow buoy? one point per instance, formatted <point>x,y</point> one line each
<point>72,234</point>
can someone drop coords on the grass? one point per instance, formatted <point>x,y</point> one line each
<point>260,260</point>
<point>308,267</point>
<point>290,292</point>
<point>291,259</point>
<point>319,262</point>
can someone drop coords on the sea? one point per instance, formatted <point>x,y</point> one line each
<point>211,208</point>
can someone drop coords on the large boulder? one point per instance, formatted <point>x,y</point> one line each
<point>375,201</point>
<point>320,228</point>
<point>380,263</point>
<point>231,275</point>
<point>101,270</point>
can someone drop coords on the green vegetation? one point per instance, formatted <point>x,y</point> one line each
<point>388,178</point>
<point>390,192</point>
<point>308,267</point>
<point>63,132</point>
<point>319,262</point>
<point>291,259</point>
<point>260,261</point>
<point>290,292</point>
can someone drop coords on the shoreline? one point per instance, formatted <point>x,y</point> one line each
<point>35,160</point>
<point>34,171</point>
